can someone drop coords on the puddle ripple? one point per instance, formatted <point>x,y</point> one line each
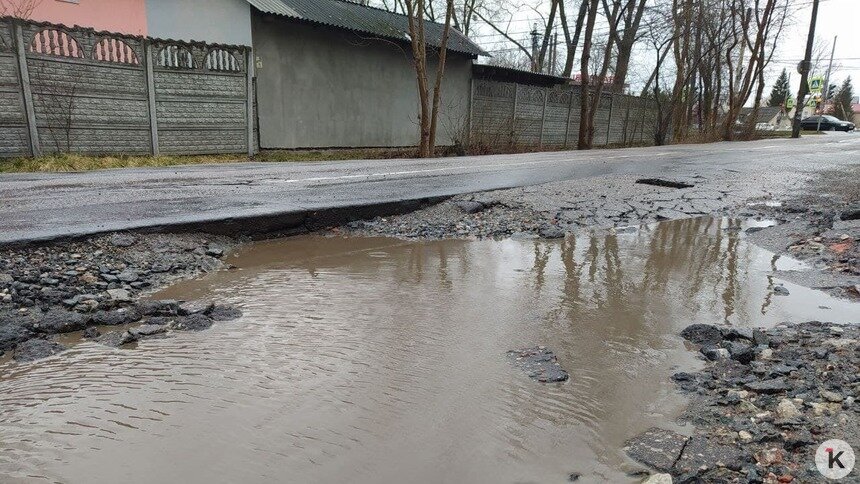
<point>376,360</point>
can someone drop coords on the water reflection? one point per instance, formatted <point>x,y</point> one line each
<point>377,360</point>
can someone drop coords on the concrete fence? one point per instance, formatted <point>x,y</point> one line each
<point>80,91</point>
<point>505,113</point>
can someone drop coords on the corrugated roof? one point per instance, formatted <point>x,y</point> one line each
<point>509,74</point>
<point>360,18</point>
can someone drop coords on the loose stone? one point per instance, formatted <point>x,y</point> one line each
<point>539,363</point>
<point>36,349</point>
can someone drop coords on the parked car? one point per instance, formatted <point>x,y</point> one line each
<point>828,123</point>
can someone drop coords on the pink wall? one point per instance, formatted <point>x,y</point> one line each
<point>125,16</point>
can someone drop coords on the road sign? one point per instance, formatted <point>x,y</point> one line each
<point>790,103</point>
<point>816,84</point>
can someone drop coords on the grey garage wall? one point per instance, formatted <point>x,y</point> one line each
<point>213,21</point>
<point>81,91</point>
<point>319,87</point>
<point>517,114</point>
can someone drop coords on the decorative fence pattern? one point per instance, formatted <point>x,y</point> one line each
<point>80,91</point>
<point>515,114</point>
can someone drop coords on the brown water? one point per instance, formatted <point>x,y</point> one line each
<point>378,360</point>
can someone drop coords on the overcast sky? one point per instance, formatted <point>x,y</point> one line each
<point>835,18</point>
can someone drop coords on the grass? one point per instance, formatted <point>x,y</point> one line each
<point>79,163</point>
<point>784,134</point>
<point>76,163</point>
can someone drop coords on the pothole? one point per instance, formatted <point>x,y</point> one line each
<point>853,214</point>
<point>659,182</point>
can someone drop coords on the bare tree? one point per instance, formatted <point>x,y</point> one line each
<point>630,13</point>
<point>55,102</point>
<point>720,51</point>
<point>428,108</point>
<point>462,18</point>
<point>572,41</point>
<point>18,8</point>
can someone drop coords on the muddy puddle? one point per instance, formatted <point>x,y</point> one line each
<point>379,360</point>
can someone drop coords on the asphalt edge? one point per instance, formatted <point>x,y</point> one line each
<point>256,227</point>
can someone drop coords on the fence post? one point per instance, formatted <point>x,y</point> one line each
<point>644,114</point>
<point>150,94</point>
<point>626,120</point>
<point>24,76</point>
<point>470,120</point>
<point>543,117</point>
<point>514,113</point>
<point>249,105</point>
<point>609,120</point>
<point>569,114</point>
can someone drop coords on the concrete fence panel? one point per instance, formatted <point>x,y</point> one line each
<point>493,112</point>
<point>75,90</point>
<point>516,114</point>
<point>88,91</point>
<point>556,117</point>
<point>531,103</point>
<point>200,98</point>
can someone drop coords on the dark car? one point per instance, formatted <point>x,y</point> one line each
<point>827,123</point>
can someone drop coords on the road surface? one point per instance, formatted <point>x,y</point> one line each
<point>43,206</point>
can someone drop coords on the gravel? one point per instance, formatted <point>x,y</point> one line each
<point>69,287</point>
<point>762,420</point>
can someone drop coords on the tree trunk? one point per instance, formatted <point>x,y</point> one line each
<point>428,110</point>
<point>585,115</point>
<point>572,43</point>
<point>440,75</point>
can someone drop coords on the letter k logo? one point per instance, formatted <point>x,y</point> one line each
<point>833,460</point>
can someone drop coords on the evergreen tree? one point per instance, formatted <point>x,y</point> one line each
<point>780,92</point>
<point>842,108</point>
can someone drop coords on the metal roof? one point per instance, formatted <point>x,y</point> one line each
<point>765,113</point>
<point>509,74</point>
<point>360,18</point>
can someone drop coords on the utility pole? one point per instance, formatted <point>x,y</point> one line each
<point>826,90</point>
<point>803,68</point>
<point>829,69</point>
<point>553,64</point>
<point>535,36</point>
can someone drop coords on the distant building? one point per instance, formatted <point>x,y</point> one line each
<point>856,108</point>
<point>215,21</point>
<point>768,118</point>
<point>125,16</point>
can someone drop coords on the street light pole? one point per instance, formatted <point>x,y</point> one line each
<point>803,69</point>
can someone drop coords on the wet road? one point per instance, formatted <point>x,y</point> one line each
<point>376,360</point>
<point>45,206</point>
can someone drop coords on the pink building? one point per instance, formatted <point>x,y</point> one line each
<point>214,21</point>
<point>125,16</point>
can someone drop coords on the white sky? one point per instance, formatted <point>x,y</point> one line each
<point>835,18</point>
